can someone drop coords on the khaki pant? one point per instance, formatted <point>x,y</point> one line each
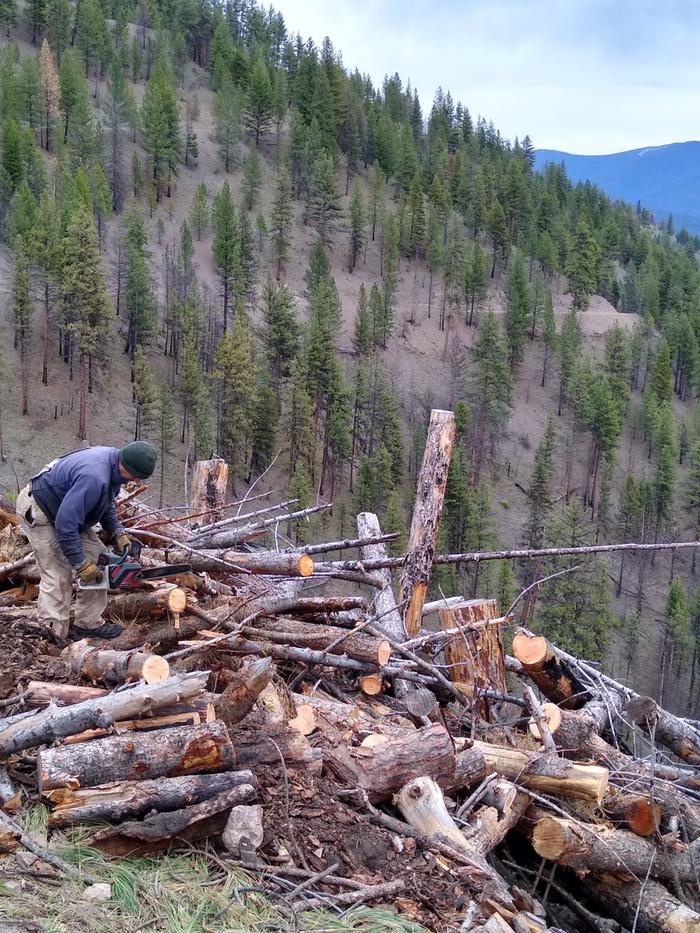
<point>56,586</point>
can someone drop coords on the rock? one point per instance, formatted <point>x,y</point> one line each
<point>244,829</point>
<point>97,892</point>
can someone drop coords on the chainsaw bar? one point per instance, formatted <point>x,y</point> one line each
<point>170,570</point>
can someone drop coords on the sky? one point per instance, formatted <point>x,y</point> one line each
<point>583,76</point>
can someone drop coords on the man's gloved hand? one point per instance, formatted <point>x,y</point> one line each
<point>122,542</point>
<point>88,572</point>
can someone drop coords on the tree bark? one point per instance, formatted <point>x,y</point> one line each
<point>47,725</point>
<point>243,689</point>
<point>655,909</point>
<point>476,656</point>
<point>146,604</point>
<point>554,677</point>
<point>209,482</point>
<point>40,693</point>
<point>137,756</point>
<point>357,645</point>
<point>589,847</point>
<point>260,562</point>
<point>107,666</point>
<point>427,510</point>
<point>680,737</point>
<point>641,815</point>
<point>124,800</point>
<point>385,768</point>
<point>160,831</point>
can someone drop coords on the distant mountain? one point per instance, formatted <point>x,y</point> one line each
<point>666,179</point>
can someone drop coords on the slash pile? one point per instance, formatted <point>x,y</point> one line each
<point>345,748</point>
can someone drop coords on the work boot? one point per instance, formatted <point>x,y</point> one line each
<point>106,630</point>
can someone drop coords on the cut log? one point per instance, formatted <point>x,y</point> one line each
<point>107,666</point>
<point>547,774</point>
<point>371,684</point>
<point>243,689</point>
<point>476,656</point>
<point>326,605</point>
<point>40,693</point>
<point>137,756</point>
<point>679,736</point>
<point>382,770</point>
<point>432,480</point>
<point>641,815</point>
<point>160,831</point>
<point>124,800</point>
<point>209,481</point>
<point>353,720</point>
<point>552,717</point>
<point>47,725</point>
<point>601,849</point>
<point>357,645</point>
<point>553,676</point>
<point>422,805</point>
<point>259,562</point>
<point>146,604</point>
<point>256,748</point>
<point>649,907</point>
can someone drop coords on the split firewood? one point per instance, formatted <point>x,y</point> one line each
<point>432,481</point>
<point>107,666</point>
<point>209,481</point>
<point>137,756</point>
<point>383,769</point>
<point>45,726</point>
<point>553,676</point>
<point>143,605</point>
<point>602,849</point>
<point>161,830</point>
<point>123,800</point>
<point>243,689</point>
<point>649,907</point>
<point>476,655</point>
<point>357,645</point>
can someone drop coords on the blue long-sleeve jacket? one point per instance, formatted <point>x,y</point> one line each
<point>78,492</point>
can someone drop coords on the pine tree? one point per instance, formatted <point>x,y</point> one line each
<point>518,310</point>
<point>161,127</point>
<point>46,252</point>
<point>416,217</point>
<point>298,421</point>
<point>363,339</point>
<point>166,427</point>
<point>282,332</point>
<point>693,490</point>
<point>50,92</point>
<point>498,231</point>
<point>139,298</point>
<point>539,491</point>
<point>376,192</point>
<point>393,520</point>
<point>583,265</point>
<point>11,156</point>
<point>475,273</point>
<point>617,365</point>
<point>252,179</point>
<point>663,483</point>
<point>260,101</point>
<point>677,623</point>
<point>264,426</point>
<point>23,311</point>
<point>226,245</point>
<point>236,373</point>
<point>629,519</point>
<point>324,204</point>
<point>660,377</point>
<point>549,333</point>
<point>569,346</point>
<point>145,395</point>
<point>390,248</point>
<point>365,486</point>
<point>433,258</point>
<point>488,389</point>
<point>301,489</point>
<point>8,15</point>
<point>86,312</point>
<point>58,20</point>
<point>280,221</point>
<point>115,119</point>
<point>199,210</point>
<point>358,224</point>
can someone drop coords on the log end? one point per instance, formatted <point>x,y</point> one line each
<point>552,715</point>
<point>176,599</point>
<point>530,650</point>
<point>383,652</point>
<point>550,837</point>
<point>371,684</point>
<point>305,565</point>
<point>155,669</point>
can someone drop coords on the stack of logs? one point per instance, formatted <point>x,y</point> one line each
<point>409,714</point>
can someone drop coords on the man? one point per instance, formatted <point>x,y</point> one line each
<point>57,510</point>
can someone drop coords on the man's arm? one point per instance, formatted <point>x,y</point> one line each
<point>110,522</point>
<point>77,502</point>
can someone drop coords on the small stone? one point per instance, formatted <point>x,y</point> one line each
<point>98,892</point>
<point>244,823</point>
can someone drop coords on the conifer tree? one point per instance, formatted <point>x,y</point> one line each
<point>376,315</point>
<point>280,221</point>
<point>582,266</point>
<point>660,377</point>
<point>363,339</point>
<point>115,119</point>
<point>629,518</point>
<point>28,84</point>
<point>663,483</point>
<point>46,252</point>
<point>358,224</point>
<point>488,389</point>
<point>475,273</point>
<point>145,395</point>
<point>282,332</point>
<point>86,311</point>
<point>139,299</point>
<point>235,371</point>
<point>165,427</point>
<point>393,520</point>
<point>136,175</point>
<point>161,127</point>
<point>58,20</point>
<point>376,191</point>
<point>199,211</point>
<point>539,491</point>
<point>365,485</point>
<point>569,346</point>
<point>498,232</point>
<point>264,426</point>
<point>390,248</point>
<point>260,101</point>
<point>324,204</point>
<point>22,215</point>
<point>226,245</point>
<point>693,491</point>
<point>518,310</point>
<point>301,489</point>
<point>298,421</point>
<point>11,157</point>
<point>549,333</point>
<point>617,365</point>
<point>36,10</point>
<point>23,310</point>
<point>252,179</point>
<point>677,623</point>
<point>416,217</point>
<point>8,15</point>
<point>50,92</point>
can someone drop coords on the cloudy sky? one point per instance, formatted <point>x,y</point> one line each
<point>585,76</point>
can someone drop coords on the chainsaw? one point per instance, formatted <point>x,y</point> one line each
<point>127,573</point>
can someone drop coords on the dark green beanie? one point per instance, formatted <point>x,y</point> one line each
<point>139,458</point>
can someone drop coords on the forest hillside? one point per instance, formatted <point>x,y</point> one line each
<point>220,237</point>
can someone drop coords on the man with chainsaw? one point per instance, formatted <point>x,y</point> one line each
<point>57,510</point>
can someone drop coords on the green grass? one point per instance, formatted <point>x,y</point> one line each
<point>173,893</point>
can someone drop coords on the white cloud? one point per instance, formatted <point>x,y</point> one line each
<point>581,75</point>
